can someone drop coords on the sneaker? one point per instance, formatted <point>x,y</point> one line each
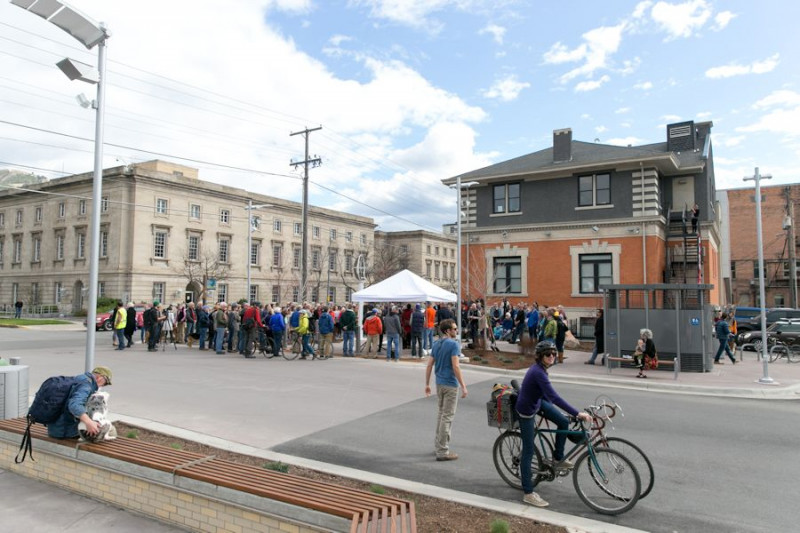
<point>719,362</point>
<point>535,500</point>
<point>565,464</point>
<point>449,457</point>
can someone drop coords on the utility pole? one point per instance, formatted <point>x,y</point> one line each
<point>315,162</point>
<point>788,225</point>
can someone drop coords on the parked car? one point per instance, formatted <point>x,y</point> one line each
<point>103,320</point>
<point>744,317</point>
<point>774,314</point>
<point>783,332</point>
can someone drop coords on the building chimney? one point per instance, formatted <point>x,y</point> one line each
<point>681,137</point>
<point>562,145</point>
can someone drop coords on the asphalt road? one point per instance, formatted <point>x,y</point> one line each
<point>721,464</point>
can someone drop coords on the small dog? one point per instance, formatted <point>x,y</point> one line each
<point>97,409</point>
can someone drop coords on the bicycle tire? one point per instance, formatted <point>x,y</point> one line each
<point>506,453</point>
<point>294,350</point>
<point>268,353</point>
<point>776,353</point>
<point>639,459</point>
<point>794,354</point>
<point>606,481</point>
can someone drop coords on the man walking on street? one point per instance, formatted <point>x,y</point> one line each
<point>723,332</point>
<point>348,323</point>
<point>444,361</point>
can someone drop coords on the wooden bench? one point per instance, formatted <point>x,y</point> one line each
<point>364,511</point>
<point>661,362</point>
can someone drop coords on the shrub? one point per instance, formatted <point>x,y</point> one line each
<point>377,489</point>
<point>476,357</point>
<point>132,434</point>
<point>277,466</point>
<point>80,313</point>
<point>104,304</point>
<point>176,446</point>
<point>499,526</point>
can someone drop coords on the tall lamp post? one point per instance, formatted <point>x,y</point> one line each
<point>459,185</point>
<point>89,34</point>
<point>250,228</point>
<point>757,177</point>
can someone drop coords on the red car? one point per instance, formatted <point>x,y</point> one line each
<point>103,320</point>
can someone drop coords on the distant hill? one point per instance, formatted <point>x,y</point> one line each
<point>18,178</point>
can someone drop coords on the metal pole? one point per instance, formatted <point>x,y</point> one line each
<point>97,197</point>
<point>765,379</point>
<point>249,242</point>
<point>676,366</point>
<point>458,260</point>
<point>792,253</point>
<point>304,243</point>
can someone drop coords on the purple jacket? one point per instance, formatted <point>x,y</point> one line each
<point>535,388</point>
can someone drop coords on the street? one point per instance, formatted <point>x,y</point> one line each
<point>721,464</point>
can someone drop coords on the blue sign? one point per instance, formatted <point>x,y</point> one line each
<point>211,284</point>
<point>695,321</point>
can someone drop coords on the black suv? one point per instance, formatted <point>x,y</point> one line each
<point>774,314</point>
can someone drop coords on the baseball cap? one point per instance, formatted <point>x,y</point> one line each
<point>103,371</point>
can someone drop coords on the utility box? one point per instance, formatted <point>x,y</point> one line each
<point>13,391</point>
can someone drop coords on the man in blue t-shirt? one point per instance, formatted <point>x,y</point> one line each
<point>444,359</point>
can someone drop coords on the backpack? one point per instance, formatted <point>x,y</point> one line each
<point>47,407</point>
<point>501,407</point>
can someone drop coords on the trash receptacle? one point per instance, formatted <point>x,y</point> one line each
<point>13,391</point>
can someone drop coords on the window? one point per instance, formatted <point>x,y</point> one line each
<point>101,289</point>
<point>436,270</point>
<point>315,294</point>
<point>159,290</point>
<point>595,270</point>
<point>277,257</point>
<point>295,293</point>
<point>594,190</point>
<point>298,228</point>
<point>193,249</point>
<point>404,249</point>
<point>224,250</point>
<point>160,245</point>
<point>162,206</point>
<point>333,258</point>
<point>333,234</point>
<point>276,294</point>
<point>224,216</point>
<point>452,272</point>
<point>104,243</point>
<point>452,253</point>
<point>82,207</point>
<point>253,293</point>
<point>348,236</point>
<point>348,263</point>
<point>59,247</point>
<point>17,250</point>
<point>506,198</point>
<point>14,292</point>
<point>755,270</point>
<point>315,259</point>
<point>2,220</point>
<point>222,292</point>
<point>104,204</point>
<point>332,294</point>
<point>37,217</point>
<point>2,249</point>
<point>255,250</point>
<point>36,254</point>
<point>315,232</point>
<point>80,251</point>
<point>276,225</point>
<point>428,269</point>
<point>428,249</point>
<point>348,294</point>
<point>780,301</point>
<point>19,217</point>
<point>57,288</point>
<point>733,269</point>
<point>787,274</point>
<point>363,239</point>
<point>35,293</point>
<point>295,259</point>
<point>507,275</point>
<point>436,251</point>
<point>194,212</point>
<point>62,209</point>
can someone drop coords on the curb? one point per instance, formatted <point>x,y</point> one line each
<point>574,524</point>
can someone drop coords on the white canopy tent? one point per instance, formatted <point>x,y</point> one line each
<point>405,286</point>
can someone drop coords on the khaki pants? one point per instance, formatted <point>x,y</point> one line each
<point>448,401</point>
<point>180,332</point>
<point>326,341</point>
<point>372,339</point>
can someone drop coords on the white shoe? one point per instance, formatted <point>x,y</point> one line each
<point>535,500</point>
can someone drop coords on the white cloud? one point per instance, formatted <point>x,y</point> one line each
<point>703,114</point>
<point>729,141</point>
<point>419,13</point>
<point>591,85</point>
<point>681,20</point>
<point>644,85</point>
<point>497,32</point>
<point>669,119</point>
<point>338,39</point>
<point>780,121</point>
<point>622,110</point>
<point>290,6</point>
<point>779,98</point>
<point>757,67</point>
<point>641,7</point>
<point>600,129</point>
<point>506,89</point>
<point>595,52</point>
<point>625,141</point>
<point>722,19</point>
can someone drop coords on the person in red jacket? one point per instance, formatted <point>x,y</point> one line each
<point>373,327</point>
<point>251,322</point>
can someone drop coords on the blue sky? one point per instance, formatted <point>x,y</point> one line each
<point>407,92</point>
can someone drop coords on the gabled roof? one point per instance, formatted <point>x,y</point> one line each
<point>586,155</point>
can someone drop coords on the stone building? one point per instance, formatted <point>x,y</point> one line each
<point>165,234</point>
<point>427,254</point>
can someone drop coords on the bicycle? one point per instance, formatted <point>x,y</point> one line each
<point>296,341</point>
<point>605,479</point>
<point>790,351</point>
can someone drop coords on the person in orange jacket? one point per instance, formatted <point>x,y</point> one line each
<point>373,327</point>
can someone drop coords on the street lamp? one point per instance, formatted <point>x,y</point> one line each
<point>89,34</point>
<point>250,208</point>
<point>757,177</point>
<point>459,186</point>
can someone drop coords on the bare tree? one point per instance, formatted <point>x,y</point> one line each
<point>206,266</point>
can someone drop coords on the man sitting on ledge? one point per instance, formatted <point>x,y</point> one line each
<point>66,427</point>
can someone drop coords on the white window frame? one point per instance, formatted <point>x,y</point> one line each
<point>277,226</point>
<point>222,292</point>
<point>315,232</point>
<point>298,228</point>
<point>104,204</point>
<point>62,209</point>
<point>37,217</point>
<point>296,258</point>
<point>80,245</point>
<point>160,248</point>
<point>333,234</point>
<point>507,251</point>
<point>103,243</point>
<point>59,247</point>
<point>224,250</point>
<point>255,252</point>
<point>193,247</point>
<point>36,253</point>
<point>593,247</point>
<point>82,207</point>
<point>333,259</point>
<point>159,290</point>
<point>224,216</point>
<point>162,206</point>
<point>277,254</point>
<point>276,294</point>
<point>195,212</point>
<point>253,293</point>
<point>348,236</point>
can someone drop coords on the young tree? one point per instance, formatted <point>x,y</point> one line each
<point>205,266</point>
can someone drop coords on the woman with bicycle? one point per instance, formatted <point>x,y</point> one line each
<point>537,394</point>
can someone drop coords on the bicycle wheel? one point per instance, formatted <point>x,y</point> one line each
<point>606,481</point>
<point>506,453</point>
<point>268,348</point>
<point>794,353</point>
<point>294,351</point>
<point>776,352</point>
<point>643,465</point>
